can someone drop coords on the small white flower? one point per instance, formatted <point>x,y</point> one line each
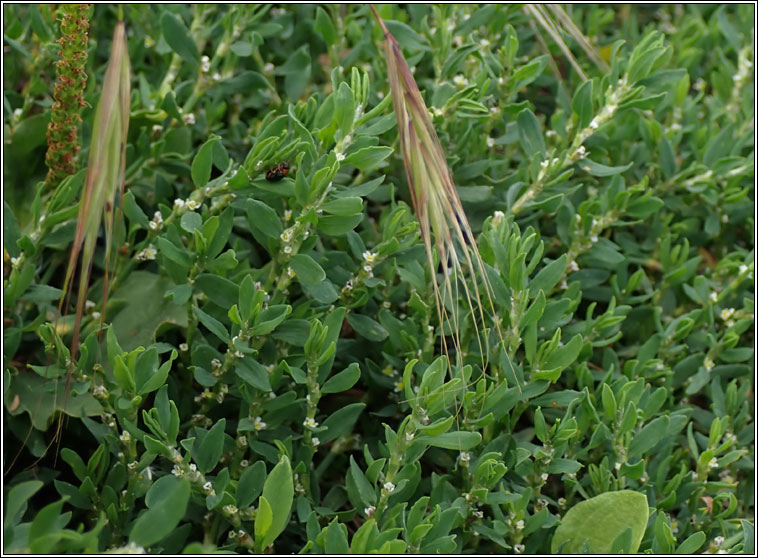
<point>465,458</point>
<point>286,235</point>
<point>315,441</point>
<point>244,463</point>
<point>389,487</point>
<point>460,80</point>
<point>369,511</point>
<point>150,252</point>
<point>714,297</point>
<point>369,257</point>
<point>519,548</point>
<point>189,118</point>
<point>478,514</point>
<point>230,509</point>
<point>268,68</point>
<point>561,502</point>
<point>409,436</point>
<point>193,467</point>
<point>594,124</point>
<point>520,525</point>
<point>132,466</point>
<point>183,347</point>
<point>288,250</point>
<point>242,440</point>
<point>192,205</point>
<point>340,156</point>
<point>149,41</point>
<point>287,216</point>
<point>258,424</point>
<point>125,436</point>
<point>177,471</point>
<point>490,141</point>
<point>573,266</point>
<point>725,218</point>
<point>290,272</point>
<point>399,386</point>
<point>712,463</point>
<point>96,315</point>
<point>178,203</point>
<point>484,42</point>
<point>153,225</point>
<point>544,476</point>
<point>205,63</point>
<point>310,423</point>
<point>726,313</point>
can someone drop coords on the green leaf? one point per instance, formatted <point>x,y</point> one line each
<point>406,36</point>
<point>323,26</point>
<point>691,544</point>
<point>548,276</point>
<point>264,219</point>
<point>268,320</point>
<point>263,520</point>
<point>341,422</point>
<point>191,221</point>
<point>533,314</point>
<point>167,501</point>
<point>582,104</point>
<point>279,491</point>
<point>134,212</point>
<point>530,133</point>
<point>335,539</point>
<point>367,327</point>
<point>16,501</point>
<point>213,325</point>
<point>208,451</point>
<point>178,38</point>
<point>461,441</point>
<point>351,205</point>
<point>250,484</point>
<point>246,82</point>
<point>173,253</point>
<point>597,169</point>
<point>42,293</point>
<point>561,357</point>
<point>368,157</point>
<point>644,207</point>
<point>201,164</point>
<point>306,269</point>
<point>600,520</point>
<point>218,289</point>
<point>253,373</point>
<point>337,225</point>
<point>343,380</point>
<point>366,492</point>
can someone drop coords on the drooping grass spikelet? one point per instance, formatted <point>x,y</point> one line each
<point>439,211</point>
<point>105,176</point>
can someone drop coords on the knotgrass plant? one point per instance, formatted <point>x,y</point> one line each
<point>271,374</point>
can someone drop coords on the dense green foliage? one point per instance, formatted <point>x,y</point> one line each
<point>269,375</point>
